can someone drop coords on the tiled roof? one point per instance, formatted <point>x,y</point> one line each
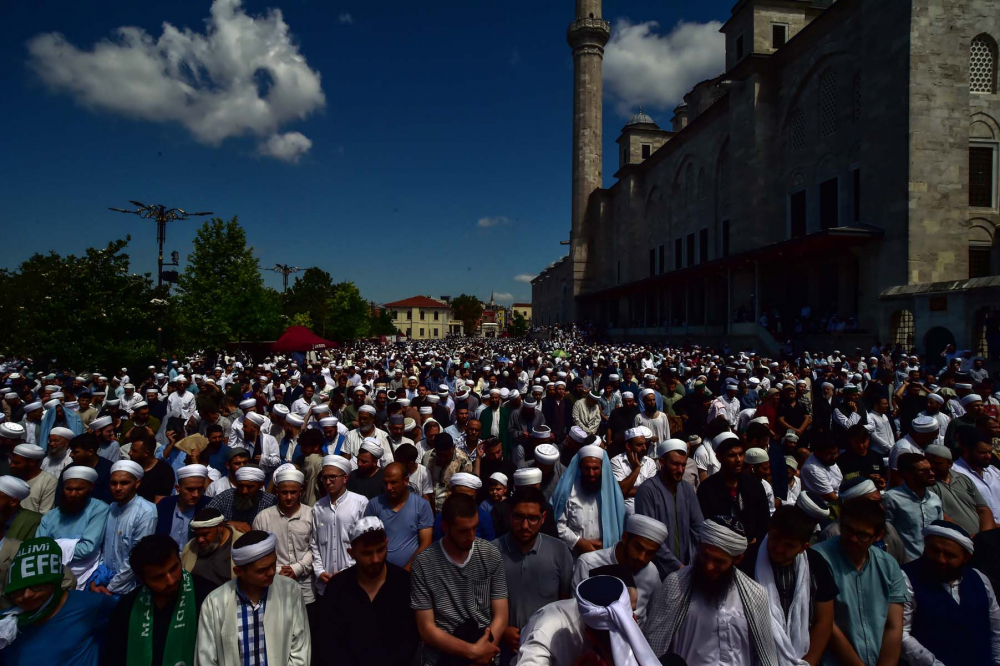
<point>417,302</point>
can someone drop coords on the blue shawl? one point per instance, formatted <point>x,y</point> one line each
<point>73,422</point>
<point>610,501</point>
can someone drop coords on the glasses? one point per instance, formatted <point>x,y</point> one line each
<point>521,518</point>
<point>326,478</point>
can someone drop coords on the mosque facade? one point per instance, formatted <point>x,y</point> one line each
<point>838,178</point>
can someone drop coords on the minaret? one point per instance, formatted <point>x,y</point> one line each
<point>587,35</point>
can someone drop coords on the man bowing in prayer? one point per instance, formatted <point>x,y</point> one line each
<point>77,523</point>
<point>129,520</point>
<point>712,613</point>
<point>257,619</point>
<point>588,503</point>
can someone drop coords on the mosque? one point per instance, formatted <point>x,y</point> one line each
<point>837,183</point>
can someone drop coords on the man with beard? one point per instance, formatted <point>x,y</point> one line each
<point>492,462</point>
<point>547,460</point>
<point>963,503</point>
<point>523,422</point>
<point>911,506</point>
<point>526,477</point>
<point>374,593</point>
<point>633,467</point>
<point>235,459</point>
<point>130,518</point>
<point>588,503</point>
<point>207,554</point>
<point>557,409</point>
<point>711,612</point>
<point>175,513</point>
<point>241,504</point>
<point>640,541</point>
<point>291,522</point>
<point>158,476</point>
<point>951,615</point>
<point>974,464</point>
<point>935,403</point>
<point>57,456</point>
<point>973,405</point>
<point>443,462</point>
<point>653,419</point>
<point>396,438</point>
<point>157,407</point>
<point>109,449</point>
<point>155,623</point>
<point>407,519</point>
<point>78,522</point>
<point>32,422</point>
<point>868,611</point>
<point>457,429</point>
<point>495,420</point>
<point>366,430</point>
<point>366,480</point>
<point>674,503</point>
<point>141,418</point>
<point>26,464</point>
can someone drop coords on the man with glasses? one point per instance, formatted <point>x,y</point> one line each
<point>332,519</point>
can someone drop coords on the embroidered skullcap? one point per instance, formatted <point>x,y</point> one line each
<point>647,527</point>
<point>465,479</point>
<point>755,456</point>
<point>527,476</point>
<point>592,451</point>
<point>287,472</point>
<point>250,473</point>
<point>813,505</point>
<point>255,418</point>
<point>939,450</point>
<point>252,546</point>
<point>101,422</point>
<point>133,468</point>
<point>248,403</point>
<point>546,454</point>
<point>280,409</point>
<point>969,399</point>
<point>80,472</point>
<point>340,462</point>
<point>15,488</point>
<point>189,471</point>
<point>500,478</point>
<point>856,488</point>
<point>949,530</point>
<point>925,424</point>
<point>724,533</point>
<point>59,431</point>
<point>632,433</point>
<point>669,446</point>
<point>578,434</point>
<point>364,526</point>
<point>372,446</point>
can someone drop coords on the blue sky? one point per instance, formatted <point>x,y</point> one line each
<point>412,148</point>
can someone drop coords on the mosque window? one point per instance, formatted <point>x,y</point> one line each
<point>979,261</point>
<point>739,48</point>
<point>981,176</point>
<point>903,329</point>
<point>779,35</point>
<point>797,130</point>
<point>646,150</point>
<point>678,254</point>
<point>828,103</point>
<point>983,65</point>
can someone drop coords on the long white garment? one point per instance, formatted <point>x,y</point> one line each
<point>582,517</point>
<point>792,642</point>
<point>553,636</point>
<point>647,581</point>
<point>82,569</point>
<point>628,645</point>
<point>715,635</point>
<point>181,405</point>
<point>621,468</point>
<point>330,535</point>
<point>883,437</point>
<point>658,424</point>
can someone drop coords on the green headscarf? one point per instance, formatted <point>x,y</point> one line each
<point>38,562</point>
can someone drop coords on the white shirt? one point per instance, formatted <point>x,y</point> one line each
<point>582,517</point>
<point>420,481</point>
<point>705,459</point>
<point>354,440</point>
<point>218,487</point>
<point>988,484</point>
<point>916,654</point>
<point>883,437</point>
<point>715,635</point>
<point>300,407</point>
<point>794,491</point>
<point>621,468</point>
<point>294,535</point>
<point>330,536</point>
<point>55,467</point>
<point>820,478</point>
<point>943,421</point>
<point>181,404</point>
<point>769,493</point>
<point>659,425</point>
<point>647,581</point>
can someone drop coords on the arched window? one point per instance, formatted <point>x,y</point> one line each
<point>903,329</point>
<point>983,65</point>
<point>828,103</point>
<point>797,130</point>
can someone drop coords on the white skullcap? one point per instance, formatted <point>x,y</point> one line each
<point>255,418</point>
<point>963,386</point>
<point>52,403</point>
<point>541,432</point>
<point>364,526</point>
<point>372,446</point>
<point>11,430</point>
<point>112,403</point>
<point>133,468</point>
<point>646,391</point>
<point>189,471</point>
<point>403,402</point>
<point>972,397</point>
<point>426,410</point>
<point>249,402</point>
<point>140,405</point>
<point>500,478</point>
<point>527,476</point>
<point>255,551</point>
<point>250,473</point>
<point>339,462</point>
<point>465,479</point>
<point>866,487</point>
<point>328,422</point>
<point>578,434</point>
<point>925,424</point>
<point>592,451</point>
<point>647,527</point>
<point>32,406</point>
<point>295,420</point>
<point>951,531</point>
<point>15,488</point>
<point>280,409</point>
<point>287,472</point>
<point>632,433</point>
<point>939,450</point>
<point>720,536</point>
<point>755,456</point>
<point>152,390</point>
<point>101,422</point>
<point>613,378</point>
<point>80,472</point>
<point>32,451</point>
<point>722,437</point>
<point>939,399</point>
<point>433,399</point>
<point>366,409</point>
<point>790,461</point>
<point>628,394</point>
<point>669,446</point>
<point>59,431</point>
<point>320,409</point>
<point>515,394</point>
<point>546,454</point>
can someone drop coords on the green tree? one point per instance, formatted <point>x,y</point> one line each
<point>88,312</point>
<point>519,325</point>
<point>310,294</point>
<point>381,323</point>
<point>301,319</point>
<point>349,314</point>
<point>222,296</point>
<point>469,310</point>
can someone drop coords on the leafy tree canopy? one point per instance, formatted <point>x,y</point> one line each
<point>469,310</point>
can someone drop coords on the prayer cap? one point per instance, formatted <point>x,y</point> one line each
<point>972,397</point>
<point>755,456</point>
<point>578,434</point>
<point>13,487</point>
<point>431,398</point>
<point>364,526</point>
<point>646,391</point>
<point>189,471</point>
<point>632,433</point>
<point>140,405</point>
<point>280,410</point>
<point>409,425</point>
<point>340,462</point>
<point>856,487</point>
<point>426,410</point>
<point>546,454</point>
<point>249,402</point>
<point>614,378</point>
<point>790,461</point>
<point>724,533</point>
<point>320,409</point>
<point>963,386</point>
<point>722,441</point>
<point>669,446</point>
<point>236,451</point>
<point>372,446</point>
<point>328,422</point>
<point>528,403</point>
<point>250,473</point>
<point>295,420</point>
<point>32,451</point>
<point>255,418</point>
<point>465,479</point>
<point>500,478</point>
<point>101,422</point>
<point>32,406</point>
<point>404,402</point>
<point>207,517</point>
<point>790,436</point>
<point>288,473</point>
<point>112,403</point>
<point>252,546</point>
<point>527,476</point>
<point>813,505</point>
<point>949,530</point>
<point>80,472</point>
<point>133,468</point>
<point>52,403</point>
<point>939,399</point>
<point>541,432</point>
<point>647,527</point>
<point>592,451</point>
<point>11,430</point>
<point>628,394</point>
<point>59,431</point>
<point>925,424</point>
<point>939,450</point>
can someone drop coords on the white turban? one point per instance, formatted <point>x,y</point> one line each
<point>249,473</point>
<point>287,472</point>
<point>939,399</point>
<point>133,468</point>
<point>722,437</point>
<point>527,476</point>
<point>866,487</point>
<point>578,434</point>
<point>628,645</point>
<point>947,530</point>
<point>189,471</point>
<point>255,418</point>
<point>65,433</point>
<point>465,479</point>
<point>628,394</point>
<point>541,432</point>
<point>80,472</point>
<point>339,462</point>
<point>632,433</point>
<point>32,451</point>
<point>253,552</point>
<point>925,424</point>
<point>295,420</point>
<point>646,391</point>
<point>546,454</point>
<point>592,451</point>
<point>99,423</point>
<point>280,410</point>
<point>720,536</point>
<point>11,430</point>
<point>364,526</point>
<point>972,397</point>
<point>647,527</point>
<point>248,403</point>
<point>755,456</point>
<point>32,406</point>
<point>366,409</point>
<point>11,486</point>
<point>811,508</point>
<point>328,422</point>
<point>669,446</point>
<point>500,478</point>
<point>426,410</point>
<point>372,446</point>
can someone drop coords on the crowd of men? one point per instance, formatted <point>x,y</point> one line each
<point>503,502</point>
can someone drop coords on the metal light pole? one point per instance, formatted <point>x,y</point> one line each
<point>285,271</point>
<point>162,215</point>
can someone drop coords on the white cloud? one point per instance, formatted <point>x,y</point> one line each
<point>496,221</point>
<point>346,18</point>
<point>642,66</point>
<point>524,277</point>
<point>243,76</point>
<point>503,296</point>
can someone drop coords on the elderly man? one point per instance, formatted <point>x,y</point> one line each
<point>129,520</point>
<point>923,432</point>
<point>950,615</point>
<point>57,457</point>
<point>523,422</point>
<point>695,612</point>
<point>16,522</point>
<point>963,503</point>
<point>633,467</point>
<point>241,504</point>
<point>26,464</point>
<point>174,513</point>
<point>332,518</point>
<point>291,521</point>
<point>77,523</point>
<point>273,628</point>
<point>640,541</point>
<point>588,503</point>
<point>207,554</point>
<point>587,412</point>
<point>366,430</point>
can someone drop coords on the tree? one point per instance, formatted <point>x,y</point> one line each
<point>381,323</point>
<point>519,325</point>
<point>349,314</point>
<point>301,319</point>
<point>469,310</point>
<point>86,313</point>
<point>310,295</point>
<point>222,297</point>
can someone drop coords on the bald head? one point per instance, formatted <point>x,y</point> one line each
<point>395,480</point>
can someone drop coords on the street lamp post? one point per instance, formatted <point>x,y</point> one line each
<point>285,271</point>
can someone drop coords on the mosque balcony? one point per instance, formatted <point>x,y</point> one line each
<point>588,31</point>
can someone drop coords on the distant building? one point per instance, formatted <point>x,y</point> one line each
<point>423,318</point>
<point>524,309</point>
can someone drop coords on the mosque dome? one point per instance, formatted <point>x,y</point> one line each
<point>640,119</point>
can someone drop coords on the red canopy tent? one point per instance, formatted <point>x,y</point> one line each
<point>300,339</point>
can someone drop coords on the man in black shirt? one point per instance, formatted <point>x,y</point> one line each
<point>158,479</point>
<point>860,460</point>
<point>169,593</point>
<point>375,595</point>
<point>621,419</point>
<point>366,480</point>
